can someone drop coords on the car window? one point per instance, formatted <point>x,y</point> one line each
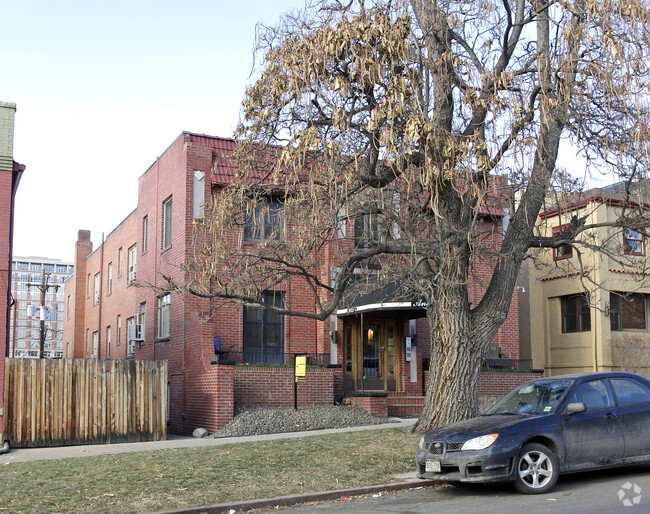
<point>628,391</point>
<point>536,398</point>
<point>594,394</point>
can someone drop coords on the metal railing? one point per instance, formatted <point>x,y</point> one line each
<point>508,364</point>
<point>251,357</point>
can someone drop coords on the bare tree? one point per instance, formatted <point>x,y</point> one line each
<point>411,121</point>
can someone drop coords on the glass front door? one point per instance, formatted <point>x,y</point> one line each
<point>370,356</point>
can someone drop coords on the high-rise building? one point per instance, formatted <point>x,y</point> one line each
<point>38,293</point>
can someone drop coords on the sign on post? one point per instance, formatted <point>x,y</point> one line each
<point>300,373</point>
<point>301,368</point>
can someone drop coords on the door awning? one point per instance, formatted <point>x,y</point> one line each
<point>374,297</point>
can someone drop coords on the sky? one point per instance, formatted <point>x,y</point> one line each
<point>102,89</point>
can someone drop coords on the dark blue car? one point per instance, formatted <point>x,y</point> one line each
<point>543,428</point>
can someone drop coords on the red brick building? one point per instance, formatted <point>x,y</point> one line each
<point>10,173</point>
<point>109,317</point>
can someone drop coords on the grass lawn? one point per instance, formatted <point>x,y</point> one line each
<point>190,477</point>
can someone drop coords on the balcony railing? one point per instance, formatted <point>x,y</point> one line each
<point>250,357</point>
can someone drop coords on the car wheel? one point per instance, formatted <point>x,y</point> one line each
<point>537,469</point>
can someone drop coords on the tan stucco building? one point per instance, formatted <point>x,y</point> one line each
<point>590,309</point>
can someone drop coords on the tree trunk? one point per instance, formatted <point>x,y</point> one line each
<point>456,357</point>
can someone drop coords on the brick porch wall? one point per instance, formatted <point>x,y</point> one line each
<point>495,383</point>
<point>491,384</point>
<point>274,387</point>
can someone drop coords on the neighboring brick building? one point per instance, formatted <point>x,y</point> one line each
<point>10,173</point>
<point>30,275</point>
<point>157,239</point>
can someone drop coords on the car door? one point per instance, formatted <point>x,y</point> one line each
<point>633,399</point>
<point>596,435</point>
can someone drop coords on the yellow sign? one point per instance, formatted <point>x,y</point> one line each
<point>301,368</point>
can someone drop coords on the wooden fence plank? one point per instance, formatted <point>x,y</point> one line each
<point>84,401</point>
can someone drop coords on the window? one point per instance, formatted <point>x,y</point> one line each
<point>145,233</point>
<point>633,242</point>
<point>48,268</point>
<point>88,286</point>
<point>576,315</point>
<point>167,223</point>
<point>67,308</point>
<point>95,345</point>
<point>341,225</point>
<point>96,289</point>
<point>130,347</point>
<point>22,266</point>
<point>264,330</point>
<point>563,251</point>
<point>595,394</point>
<point>34,267</point>
<point>108,342</point>
<point>198,197</point>
<point>164,315</point>
<point>366,231</point>
<point>119,330</point>
<point>142,317</point>
<point>628,311</point>
<point>109,279</point>
<point>61,269</point>
<point>132,263</point>
<point>87,339</point>
<point>628,391</point>
<point>119,262</point>
<point>70,269</point>
<point>265,222</point>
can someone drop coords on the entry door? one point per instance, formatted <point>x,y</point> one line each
<point>370,355</point>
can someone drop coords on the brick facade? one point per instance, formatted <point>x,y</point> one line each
<point>202,394</point>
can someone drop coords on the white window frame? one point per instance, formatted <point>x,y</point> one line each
<point>145,233</point>
<point>167,207</point>
<point>164,315</point>
<point>109,278</point>
<point>132,261</point>
<point>97,280</point>
<point>95,354</point>
<point>130,348</point>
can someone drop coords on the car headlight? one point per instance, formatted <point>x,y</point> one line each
<point>480,443</point>
<point>423,446</point>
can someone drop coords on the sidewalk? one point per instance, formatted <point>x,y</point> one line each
<point>68,452</point>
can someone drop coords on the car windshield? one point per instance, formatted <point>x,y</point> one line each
<point>537,398</point>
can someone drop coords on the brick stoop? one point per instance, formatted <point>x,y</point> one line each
<point>405,406</point>
<point>375,404</point>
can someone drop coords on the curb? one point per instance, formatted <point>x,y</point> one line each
<point>284,501</point>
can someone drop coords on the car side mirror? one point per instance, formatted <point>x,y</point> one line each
<point>575,408</point>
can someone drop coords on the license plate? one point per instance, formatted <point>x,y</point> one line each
<point>433,466</point>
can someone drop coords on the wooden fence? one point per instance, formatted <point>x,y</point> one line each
<point>84,401</point>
